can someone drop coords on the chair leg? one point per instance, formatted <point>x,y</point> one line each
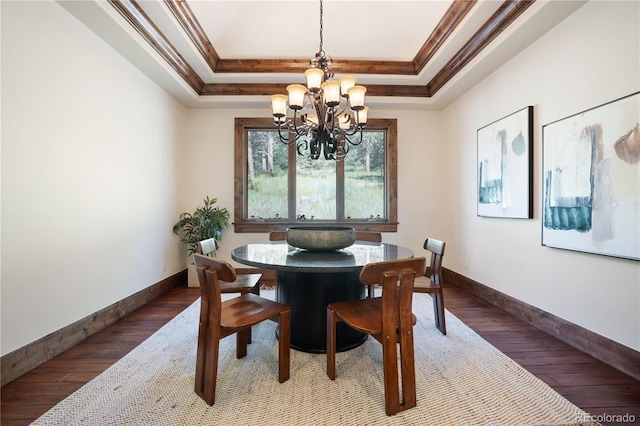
<point>255,290</point>
<point>438,311</point>
<point>408,370</point>
<point>242,340</point>
<point>201,351</point>
<point>207,356</point>
<point>331,343</point>
<point>212,372</point>
<point>284,354</point>
<point>390,367</point>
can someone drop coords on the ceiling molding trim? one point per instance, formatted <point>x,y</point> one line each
<point>300,65</point>
<point>187,20</point>
<point>134,14</point>
<point>501,19</point>
<point>449,22</point>
<point>250,89</point>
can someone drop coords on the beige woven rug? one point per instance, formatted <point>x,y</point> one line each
<point>461,380</point>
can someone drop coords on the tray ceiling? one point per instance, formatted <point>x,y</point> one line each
<point>418,53</point>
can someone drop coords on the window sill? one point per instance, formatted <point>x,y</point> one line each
<point>268,226</point>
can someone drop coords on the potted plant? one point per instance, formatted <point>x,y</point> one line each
<point>204,223</point>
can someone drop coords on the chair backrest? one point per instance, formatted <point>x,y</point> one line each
<point>223,270</point>
<point>210,272</point>
<point>376,237</point>
<point>207,247</point>
<point>277,235</point>
<point>397,278</point>
<point>436,247</point>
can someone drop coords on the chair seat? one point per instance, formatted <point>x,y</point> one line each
<point>248,309</point>
<point>363,315</point>
<point>242,284</point>
<point>425,285</point>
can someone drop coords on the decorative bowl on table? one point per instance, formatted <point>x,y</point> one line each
<point>320,238</point>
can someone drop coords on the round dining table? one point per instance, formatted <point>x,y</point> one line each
<point>309,280</point>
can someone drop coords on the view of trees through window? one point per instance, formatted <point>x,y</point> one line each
<point>320,192</point>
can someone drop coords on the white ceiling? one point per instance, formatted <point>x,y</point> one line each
<point>353,30</point>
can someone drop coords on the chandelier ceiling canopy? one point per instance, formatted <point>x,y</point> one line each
<point>328,114</point>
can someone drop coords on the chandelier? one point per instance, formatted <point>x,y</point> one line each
<point>321,124</point>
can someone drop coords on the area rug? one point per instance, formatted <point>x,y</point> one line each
<point>461,380</point>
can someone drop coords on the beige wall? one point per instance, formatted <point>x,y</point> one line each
<point>589,59</point>
<point>89,182</point>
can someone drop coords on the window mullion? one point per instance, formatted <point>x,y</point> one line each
<point>291,182</point>
<point>340,190</point>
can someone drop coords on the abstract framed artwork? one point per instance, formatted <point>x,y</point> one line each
<point>505,167</point>
<point>591,180</point>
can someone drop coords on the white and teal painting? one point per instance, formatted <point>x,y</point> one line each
<point>505,166</point>
<point>591,180</point>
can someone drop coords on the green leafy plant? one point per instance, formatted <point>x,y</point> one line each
<point>204,223</point>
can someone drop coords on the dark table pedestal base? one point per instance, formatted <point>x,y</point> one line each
<point>308,294</point>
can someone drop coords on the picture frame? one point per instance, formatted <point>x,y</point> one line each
<point>505,167</point>
<point>591,180</point>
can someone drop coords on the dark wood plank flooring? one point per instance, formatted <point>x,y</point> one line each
<point>588,383</point>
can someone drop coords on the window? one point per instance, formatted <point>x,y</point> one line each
<point>276,188</point>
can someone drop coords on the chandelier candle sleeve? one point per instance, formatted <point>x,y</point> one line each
<point>361,116</point>
<point>314,79</point>
<point>296,96</point>
<point>331,90</point>
<point>279,105</point>
<point>356,97</point>
<point>346,83</point>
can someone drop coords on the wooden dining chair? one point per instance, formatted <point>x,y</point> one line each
<point>277,235</point>
<point>244,283</point>
<point>220,319</point>
<point>389,320</point>
<point>375,237</point>
<point>432,284</point>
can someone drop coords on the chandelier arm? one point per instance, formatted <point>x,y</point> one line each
<point>346,136</point>
<point>293,126</point>
<point>344,108</point>
<point>282,139</point>
<point>352,130</point>
<point>302,145</point>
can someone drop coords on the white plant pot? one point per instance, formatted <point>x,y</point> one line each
<point>192,276</point>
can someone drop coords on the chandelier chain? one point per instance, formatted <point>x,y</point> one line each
<point>321,26</point>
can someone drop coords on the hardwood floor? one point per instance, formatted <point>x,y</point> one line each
<point>588,383</point>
